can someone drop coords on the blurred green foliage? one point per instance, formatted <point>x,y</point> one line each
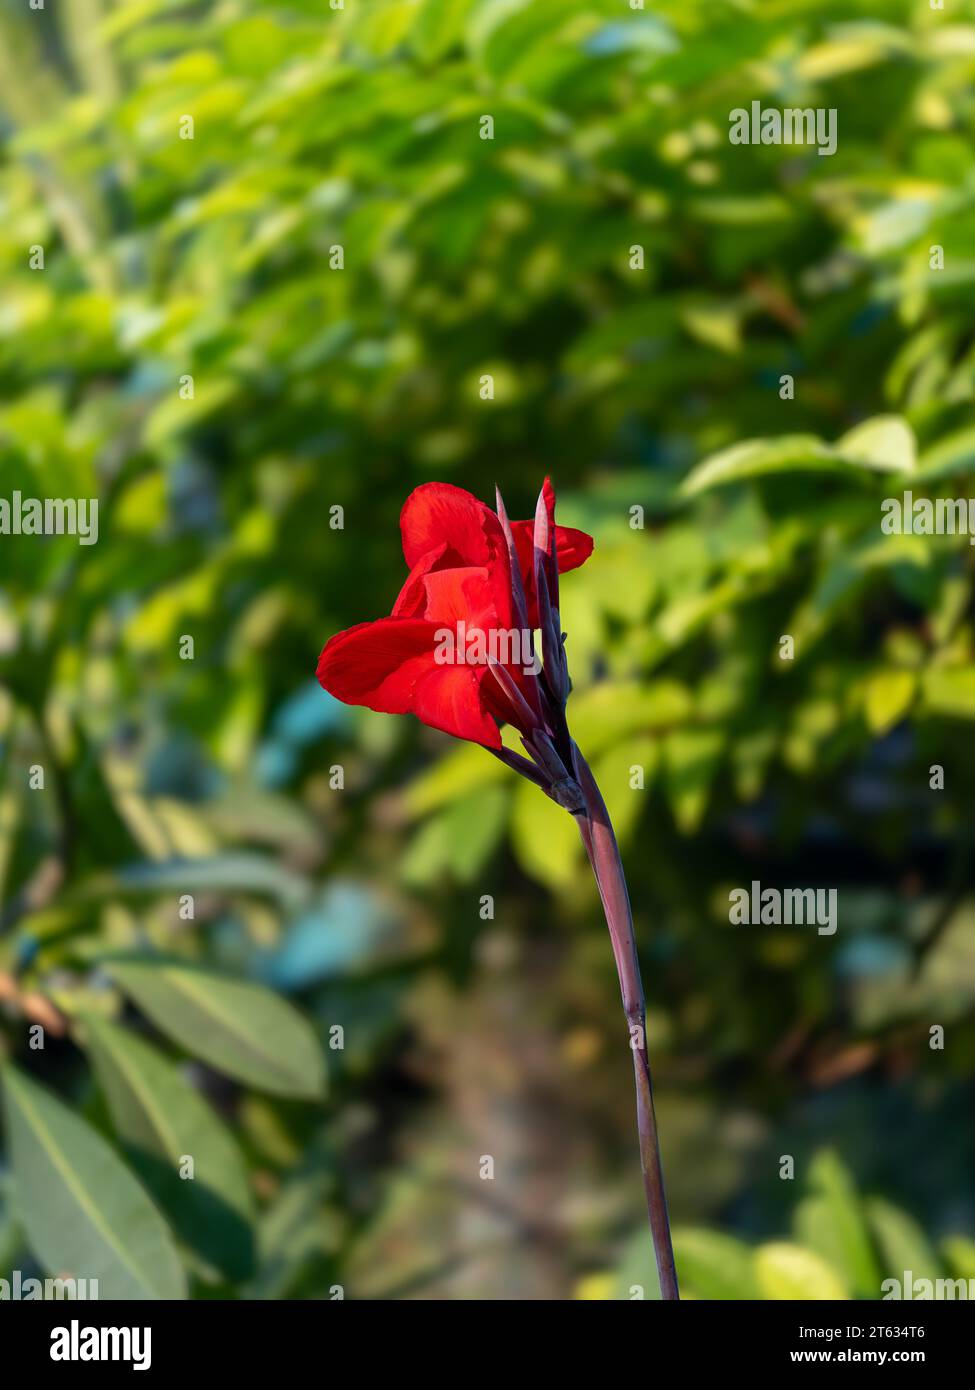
<point>335,259</point>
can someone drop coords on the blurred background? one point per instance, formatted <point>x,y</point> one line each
<point>228,882</point>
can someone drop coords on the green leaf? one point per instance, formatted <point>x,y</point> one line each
<point>292,1232</point>
<point>903,1245</point>
<point>85,1215</point>
<point>949,690</point>
<point>761,210</point>
<point>751,754</point>
<point>831,1222</point>
<point>606,713</point>
<point>510,34</point>
<point>174,414</point>
<point>852,48</point>
<point>240,872</point>
<point>460,771</point>
<point>437,27</point>
<point>889,695</point>
<point>893,225</point>
<point>950,456</point>
<point>787,1271</point>
<point>885,444</point>
<point>458,840</point>
<point>691,759</point>
<point>715,325</point>
<point>616,770</point>
<point>711,1265</point>
<point>757,458</point>
<point>959,1253</point>
<point>162,1120</point>
<point>236,1027</point>
<point>687,614</point>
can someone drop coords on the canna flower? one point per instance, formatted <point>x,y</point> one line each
<point>468,565</point>
<point>473,574</point>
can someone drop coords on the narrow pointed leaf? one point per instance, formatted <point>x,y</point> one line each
<point>85,1214</point>
<point>162,1120</point>
<point>235,1026</point>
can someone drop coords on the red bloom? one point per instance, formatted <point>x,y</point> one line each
<point>461,576</point>
<point>472,569</point>
<point>438,517</point>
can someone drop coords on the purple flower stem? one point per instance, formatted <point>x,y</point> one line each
<point>604,856</point>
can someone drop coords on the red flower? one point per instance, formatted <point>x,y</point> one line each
<point>470,571</point>
<point>470,566</point>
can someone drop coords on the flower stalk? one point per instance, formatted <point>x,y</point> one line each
<point>599,839</point>
<point>568,779</point>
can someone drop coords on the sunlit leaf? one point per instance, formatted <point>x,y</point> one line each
<point>888,698</point>
<point>831,1221</point>
<point>85,1215</point>
<point>786,1271</point>
<point>163,1122</point>
<point>237,1027</point>
<point>902,1243</point>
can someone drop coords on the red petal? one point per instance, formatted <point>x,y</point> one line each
<point>390,666</point>
<point>573,547</point>
<point>377,664</point>
<point>461,595</point>
<point>440,519</point>
<point>441,514</point>
<point>412,599</point>
<point>449,698</point>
